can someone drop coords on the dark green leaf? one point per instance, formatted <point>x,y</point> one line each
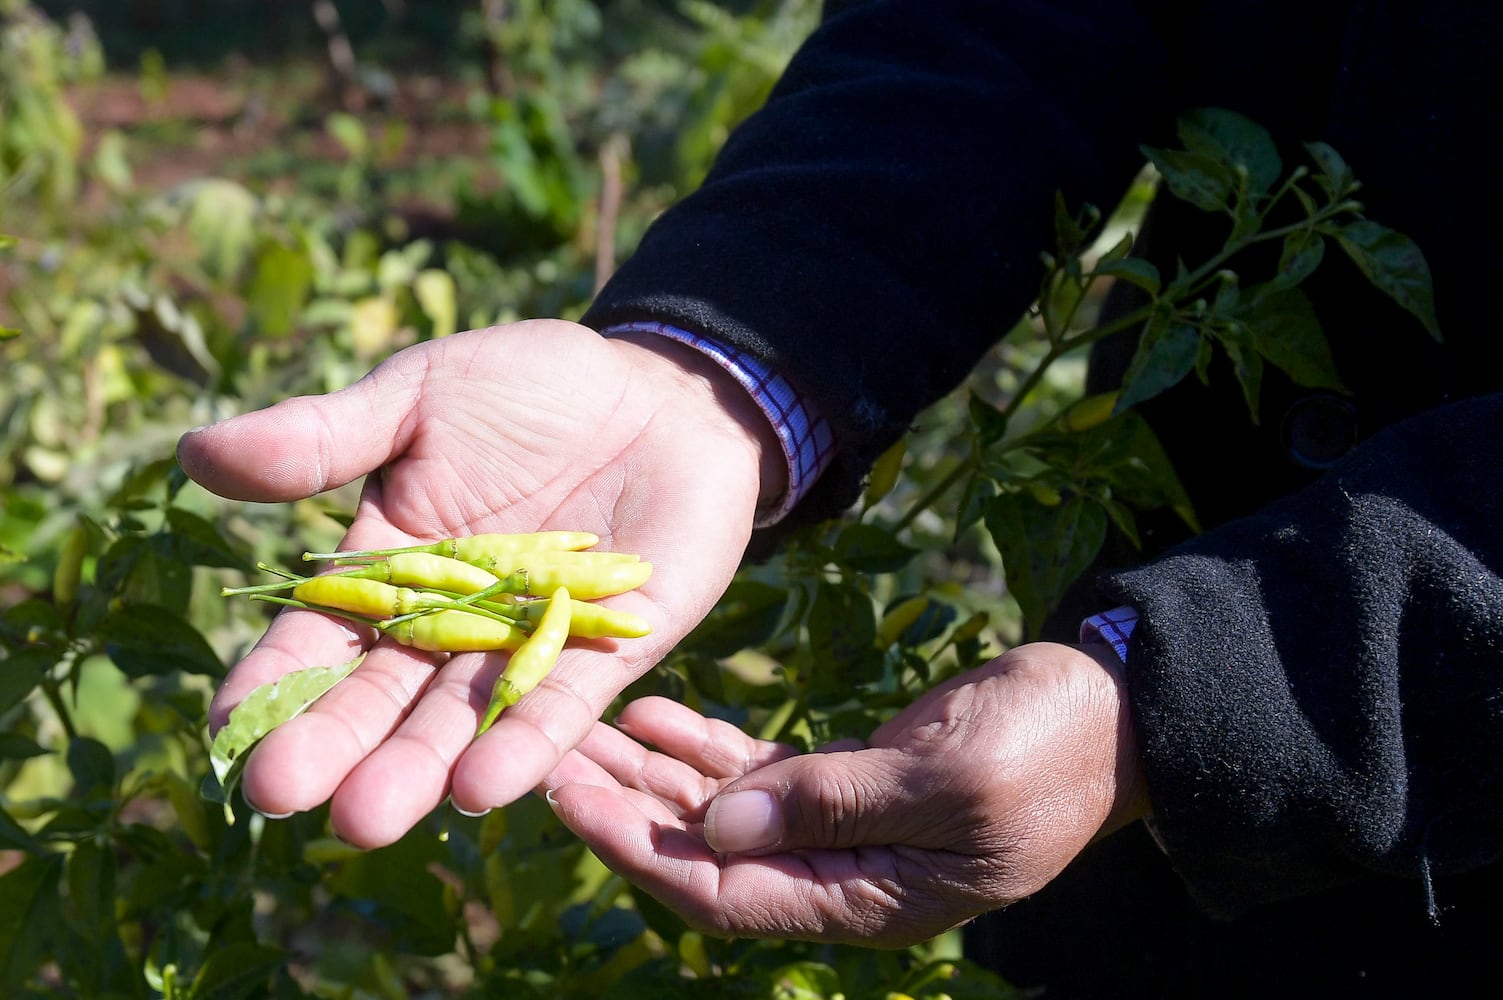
<point>1332,172</point>
<point>990,422</point>
<point>29,918</point>
<point>1134,270</point>
<point>1195,177</point>
<point>143,569</point>
<point>604,931</point>
<point>1165,355</point>
<point>29,622</point>
<point>1394,263</point>
<point>196,542</point>
<point>399,893</point>
<point>870,548</point>
<point>842,630</point>
<point>21,672</point>
<point>92,765</point>
<point>237,972</point>
<point>145,640</point>
<point>13,836</point>
<point>1285,329</point>
<point>979,491</point>
<point>14,746</point>
<point>1228,295</point>
<point>142,480</point>
<point>1139,470</point>
<point>1247,367</point>
<point>1068,233</point>
<point>747,615</point>
<point>1303,251</point>
<point>1236,141</point>
<point>1044,548</point>
<point>98,958</point>
<point>1121,515</point>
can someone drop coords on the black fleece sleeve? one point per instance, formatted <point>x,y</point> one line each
<point>851,232</point>
<point>1318,689</point>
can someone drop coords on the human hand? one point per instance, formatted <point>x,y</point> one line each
<point>973,797</point>
<point>525,427</point>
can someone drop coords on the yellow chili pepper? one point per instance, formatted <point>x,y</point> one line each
<point>885,471</point>
<point>453,630</point>
<point>899,619</point>
<point>69,572</point>
<point>429,571</point>
<point>474,547</point>
<point>532,659</point>
<point>540,573</point>
<point>586,620</point>
<point>367,598</point>
<point>1090,411</point>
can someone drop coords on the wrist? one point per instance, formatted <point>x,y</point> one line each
<point>1124,786</point>
<point>726,399</point>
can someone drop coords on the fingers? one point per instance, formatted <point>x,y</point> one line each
<point>712,747</point>
<point>838,896</point>
<point>303,446</point>
<point>301,763</point>
<point>295,640</point>
<point>837,800</point>
<point>515,755</point>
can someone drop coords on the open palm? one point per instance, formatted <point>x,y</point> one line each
<point>532,426</point>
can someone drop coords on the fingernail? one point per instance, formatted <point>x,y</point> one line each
<point>262,812</point>
<point>552,802</point>
<point>743,821</point>
<point>466,812</point>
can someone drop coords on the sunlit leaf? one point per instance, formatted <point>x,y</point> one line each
<point>261,711</point>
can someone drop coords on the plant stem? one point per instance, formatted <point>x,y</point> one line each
<point>1193,283</point>
<point>55,699</point>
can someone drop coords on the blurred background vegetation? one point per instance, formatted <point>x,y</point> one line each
<point>208,206</point>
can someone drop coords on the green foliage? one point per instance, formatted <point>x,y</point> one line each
<point>150,311</point>
<point>40,135</point>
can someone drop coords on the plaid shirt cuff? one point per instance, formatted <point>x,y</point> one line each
<point>808,442</point>
<point>1113,627</point>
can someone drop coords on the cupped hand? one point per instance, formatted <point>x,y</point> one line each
<point>974,797</point>
<point>532,426</point>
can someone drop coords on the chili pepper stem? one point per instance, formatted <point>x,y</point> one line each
<point>504,695</point>
<point>288,581</point>
<point>335,612</point>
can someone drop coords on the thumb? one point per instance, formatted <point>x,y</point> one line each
<point>302,446</point>
<point>819,801</point>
